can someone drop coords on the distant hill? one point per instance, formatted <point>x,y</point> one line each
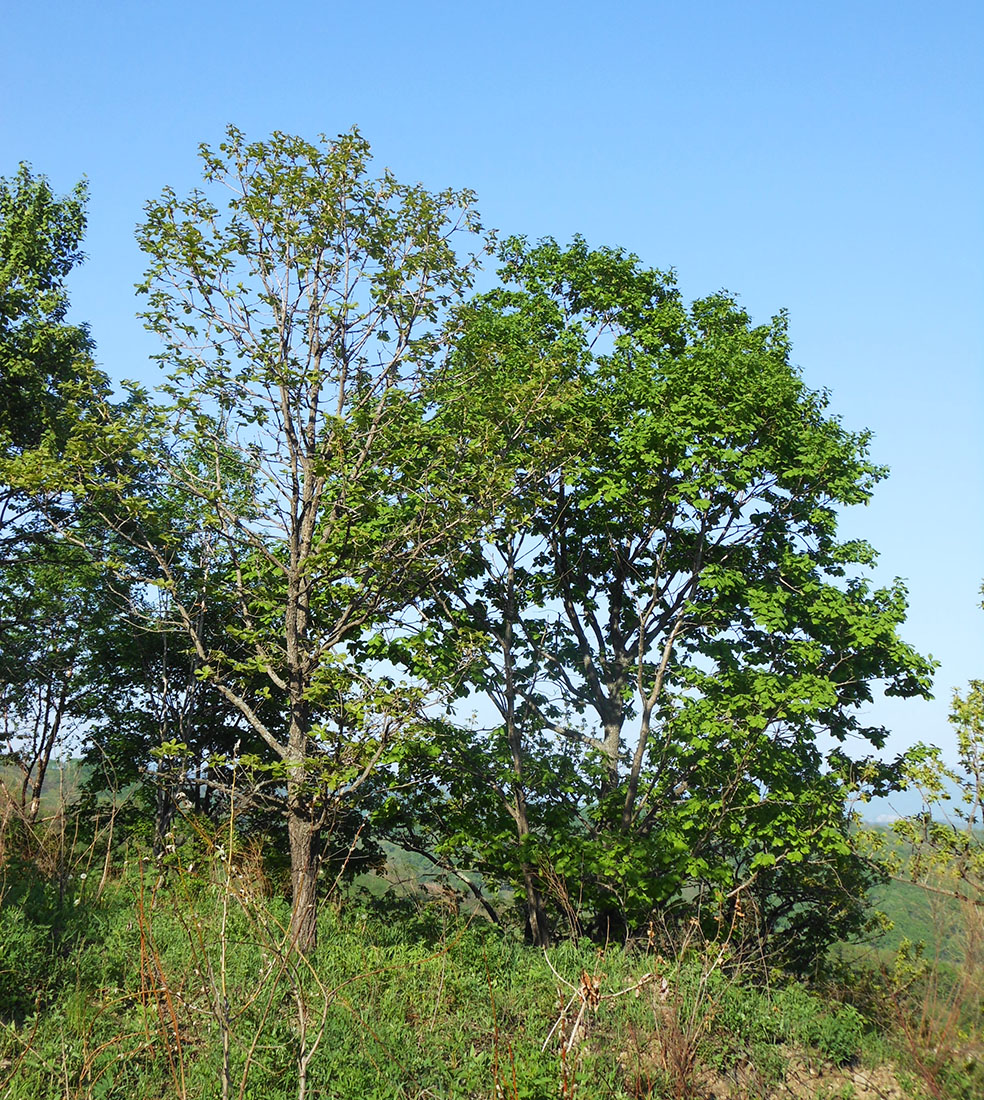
<point>918,915</point>
<point>61,786</point>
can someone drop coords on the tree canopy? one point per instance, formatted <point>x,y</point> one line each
<point>367,499</point>
<point>664,620</point>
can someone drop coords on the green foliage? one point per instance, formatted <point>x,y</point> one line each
<point>25,951</point>
<point>40,238</point>
<point>362,502</point>
<point>936,858</point>
<point>63,640</point>
<point>310,473</point>
<point>663,617</point>
<point>365,500</point>
<point>945,842</point>
<point>60,619</point>
<point>125,1002</point>
<point>940,850</point>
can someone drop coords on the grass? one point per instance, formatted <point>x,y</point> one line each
<point>172,978</point>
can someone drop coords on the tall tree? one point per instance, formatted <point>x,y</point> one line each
<point>675,606</point>
<point>41,354</point>
<point>304,325</point>
<point>55,607</point>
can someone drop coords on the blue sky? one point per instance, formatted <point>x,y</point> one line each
<point>824,158</point>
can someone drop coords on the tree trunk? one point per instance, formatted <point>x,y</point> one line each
<point>51,725</point>
<point>536,913</point>
<point>305,861</point>
<point>163,816</point>
<point>610,926</point>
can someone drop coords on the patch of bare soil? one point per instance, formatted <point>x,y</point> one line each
<point>802,1079</point>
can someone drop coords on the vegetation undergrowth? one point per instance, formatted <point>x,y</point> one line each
<point>174,976</point>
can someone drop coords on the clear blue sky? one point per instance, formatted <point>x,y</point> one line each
<point>825,158</point>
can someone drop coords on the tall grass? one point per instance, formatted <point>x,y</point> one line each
<point>125,975</point>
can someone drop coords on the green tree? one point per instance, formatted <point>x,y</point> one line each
<point>55,604</point>
<point>476,792</point>
<point>672,611</point>
<point>56,610</point>
<point>40,239</point>
<point>304,327</point>
<point>163,725</point>
<point>43,357</point>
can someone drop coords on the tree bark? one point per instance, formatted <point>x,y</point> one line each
<point>536,913</point>
<point>305,862</point>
